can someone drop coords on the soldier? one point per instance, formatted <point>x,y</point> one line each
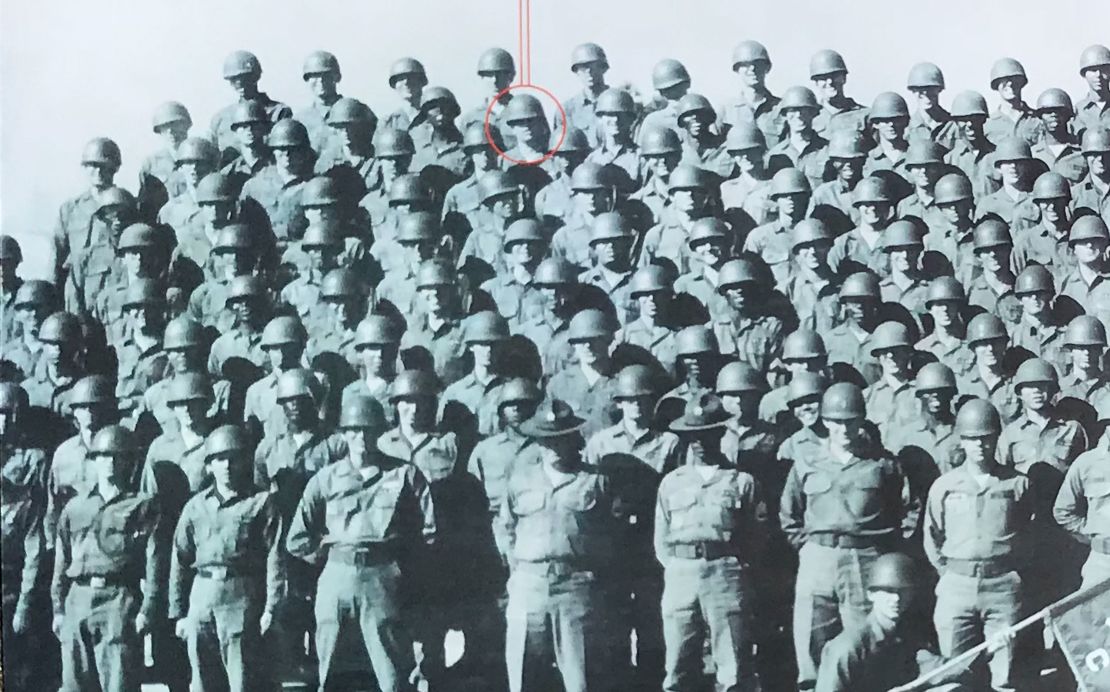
<point>323,201</point>
<point>249,153</point>
<point>194,159</point>
<point>955,238</point>
<point>438,110</point>
<point>1044,224</point>
<point>804,401</point>
<point>277,188</point>
<point>849,341</point>
<point>702,146</point>
<point>232,255</point>
<point>109,538</point>
<point>1085,342</point>
<point>1086,282</point>
<point>514,290</point>
<point>842,507</point>
<point>616,115</point>
<point>140,257</point>
<point>1080,509</point>
<point>185,344</point>
<point>1058,147</point>
<point>801,146</point>
<point>368,517</point>
<point>49,384</point>
<point>283,341</point>
<point>556,607</point>
<point>436,330</point>
<point>924,164</point>
<point>321,245</point>
<point>226,545</point>
<point>242,72</point>
<point>847,153</point>
<point>890,119</point>
<point>249,299</point>
<point>611,242</point>
<point>462,205</point>
<point>377,342</point>
<point>829,74</point>
<point>348,154</point>
<point>525,122</point>
<point>496,70</point>
<point>992,287</point>
<point>23,496</point>
<point>708,529</point>
<point>755,104</point>
<point>708,248</point>
<point>861,249</point>
<point>972,152</point>
<point>11,255</point>
<point>95,268</point>
<point>409,197</point>
<point>1013,117</point>
<point>697,356</point>
<point>750,189</point>
<point>407,78</point>
<point>1014,160</point>
<point>157,180</point>
<point>812,288</point>
<point>1039,331</point>
<point>747,329</point>
<point>929,122</point>
<point>557,281</point>
<point>589,63</point>
<point>653,327</point>
<point>906,284</point>
<point>671,82</point>
<point>803,350</point>
<point>928,446</point>
<point>791,194</point>
<point>1094,192</point>
<point>198,234</point>
<point>100,161</point>
<point>321,74</point>
<point>890,399</point>
<point>142,360</point>
<point>590,382</point>
<point>592,193</point>
<point>1040,441</point>
<point>345,297</point>
<point>988,340</point>
<point>1094,67</point>
<point>502,202</point>
<point>470,404</point>
<point>978,523</point>
<point>947,305</point>
<point>692,196</point>
<point>553,201</point>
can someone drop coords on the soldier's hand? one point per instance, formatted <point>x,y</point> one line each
<point>1000,641</point>
<point>56,625</point>
<point>141,625</point>
<point>265,622</point>
<point>19,621</point>
<point>181,628</point>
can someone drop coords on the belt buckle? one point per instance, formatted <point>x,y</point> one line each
<point>217,573</point>
<point>98,582</point>
<point>699,551</point>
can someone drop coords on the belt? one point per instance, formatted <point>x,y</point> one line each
<point>1101,544</point>
<point>704,550</point>
<point>103,581</point>
<point>555,568</point>
<point>363,556</point>
<point>843,540</point>
<point>987,569</point>
<point>221,572</point>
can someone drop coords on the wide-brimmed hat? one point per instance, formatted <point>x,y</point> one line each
<point>553,418</point>
<point>703,412</point>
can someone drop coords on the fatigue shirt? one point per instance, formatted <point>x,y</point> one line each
<point>851,249</point>
<point>550,331</point>
<point>924,127</point>
<point>811,160</point>
<point>958,357</point>
<point>208,305</point>
<point>284,467</point>
<point>977,164</point>
<point>1095,392</point>
<point>22,511</point>
<point>303,295</point>
<point>1090,112</point>
<point>572,240</point>
<point>878,160</point>
<point>837,195</point>
<point>173,471</point>
<point>435,454</point>
<point>844,345</point>
<point>626,156</point>
<point>580,115</point>
<point>658,340</point>
<point>48,390</point>
<point>314,117</point>
<point>1093,296</point>
<point>1024,445</point>
<point>554,200</point>
<point>710,155</point>
<point>1046,247</point>
<point>851,116</point>
<point>1088,195</point>
<point>772,243</point>
<point>750,195</point>
<point>73,229</point>
<point>619,293</point>
<point>380,392</point>
<point>1065,158</point>
<point>481,399</point>
<point>238,343</point>
<point>138,369</point>
<point>221,133</point>
<point>280,198</point>
<point>1043,340</point>
<point>958,246</point>
<point>1083,505</point>
<point>342,165</point>
<point>516,301</point>
<point>439,152</point>
<point>492,462</point>
<point>695,283</point>
<point>1002,394</point>
<point>816,303</point>
<point>865,658</point>
<point>485,243</point>
<point>764,113</point>
<point>911,297</point>
<point>1001,126</point>
<point>445,345</point>
<point>667,240</point>
<point>70,475</point>
<point>924,209</point>
<point>155,400</point>
<point>1005,305</point>
<point>593,402</point>
<point>757,341</point>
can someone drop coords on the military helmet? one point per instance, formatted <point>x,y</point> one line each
<point>137,236</point>
<point>61,328</point>
<point>1089,227</point>
<point>234,237</point>
<point>843,401</point>
<point>738,376</point>
<point>889,106</point>
<point>634,381</point>
<point>969,104</point>
<point>101,151</point>
<point>10,250</point>
<point>213,188</point>
<point>361,413</point>
<point>591,324</point>
<point>296,383</point>
<point>1007,68</point>
<point>826,62</point>
<point>113,440</point>
<point>349,111</point>
<point>495,184</point>
<point>323,235</point>
<point>586,53</point>
<point>284,330</point>
<point>377,330</point>
<point>409,188</point>
<point>902,234</point>
<point>986,327</point>
<point>1034,279</point>
<point>341,284</point>
<point>707,229</point>
<point>526,230</point>
<point>1094,56</point>
<point>589,176</point>
<point>945,289</point>
<point>321,191</point>
<point>1012,149</point>
<point>405,67</point>
<point>744,137</point>
<point>615,100</point>
<point>668,73</point>
<point>687,177</point>
<point>991,233</point>
<point>810,232</point>
<point>803,344</point>
<point>170,112</point>
<point>35,292</point>
<point>244,287</point>
<point>861,285</point>
<point>240,63</point>
<point>417,227</point>
<point>890,335</point>
<point>392,143</point>
<point>953,188</point>
<point>749,52</point>
<point>485,327</point>
<point>1055,99</point>
<point>924,153</point>
<point>182,333</point>
<point>414,383</point>
<point>320,62</point>
<point>738,271</point>
<point>248,113</point>
<point>847,144</point>
<point>1085,330</point>
<point>495,60</point>
<point>197,149</point>
<point>660,141</point>
<point>799,97</point>
<point>434,273</point>
<point>523,107</point>
<point>652,278</point>
<point>893,571</point>
<point>189,386</point>
<point>474,138</point>
<point>1096,140</point>
<point>574,141</point>
<point>935,377</point>
<point>519,389</point>
<point>694,103</point>
<point>93,390</point>
<point>555,272</point>
<point>610,226</point>
<point>1051,185</point>
<point>978,418</point>
<point>789,181</point>
<point>695,340</point>
<point>143,293</point>
<point>872,190</point>
<point>227,439</point>
<point>924,75</point>
<point>1035,371</point>
<point>288,134</point>
<point>805,385</point>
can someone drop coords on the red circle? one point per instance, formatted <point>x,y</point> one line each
<point>500,151</point>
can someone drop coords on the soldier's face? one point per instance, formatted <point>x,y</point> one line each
<point>516,411</point>
<point>591,202</point>
<point>146,319</point>
<point>52,352</point>
<point>989,353</point>
<point>829,86</point>
<point>1035,303</point>
<point>178,360</point>
<point>737,296</point>
<point>1098,163</point>
<point>808,412</point>
<point>812,257</point>
<point>414,412</point>
<point>891,604</point>
<point>634,408</point>
<point>747,160</point>
<point>173,134</point>
<point>298,411</point>
<point>360,441</point>
<point>895,362</point>
<point>114,469</point>
<point>855,309</point>
<point>590,351</point>
<point>283,356</point>
<point>1098,78</point>
<point>482,353</point>
<point>483,160</point>
<point>409,87</point>
<point>245,310</point>
<point>788,205</point>
<point>900,259</point>
<point>927,98</point>
<point>322,84</point>
<point>971,128</point>
<point>437,116</point>
<point>30,316</point>
<point>605,252</point>
<point>1054,118</point>
<point>843,433</point>
<point>798,119</point>
<point>795,365</point>
<point>872,213</point>
<point>691,365</point>
<point>1052,210</point>
<point>434,297</point>
<point>100,176</point>
<point>935,401</point>
<point>525,254</point>
<point>738,404</point>
<point>992,259</point>
<point>710,253</point>
<point>503,206</point>
<point>945,313</point>
<point>495,82</point>
<point>978,450</point>
<point>189,413</point>
<point>250,135</point>
<point>689,201</point>
<point>1010,172</point>
<point>1035,396</point>
<point>372,358</point>
<point>957,213</point>
<point>230,470</point>
<point>192,171</point>
<point>648,304</point>
<point>526,130</point>
<point>590,74</point>
<point>1089,251</point>
<point>920,176</point>
<point>704,443</point>
<point>695,124</point>
<point>244,85</point>
<point>1084,357</point>
<point>890,129</point>
<point>614,125</point>
<point>752,74</point>
<point>1008,88</point>
<point>346,311</point>
<point>286,158</point>
<point>848,170</point>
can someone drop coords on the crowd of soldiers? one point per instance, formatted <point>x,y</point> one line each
<point>790,394</point>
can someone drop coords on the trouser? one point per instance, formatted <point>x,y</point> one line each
<point>224,641</point>
<point>971,609</point>
<point>293,626</point>
<point>555,613</point>
<point>19,650</point>
<point>1096,569</point>
<point>635,599</point>
<point>101,649</point>
<point>830,595</point>
<point>360,627</point>
<point>711,597</point>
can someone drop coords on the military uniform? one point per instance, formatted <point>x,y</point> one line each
<point>279,196</point>
<point>591,401</point>
<point>444,344</point>
<point>756,341</point>
<point>853,252</point>
<point>221,133</point>
<point>492,462</point>
<point>811,160</point>
<point>139,368</point>
<point>242,343</point>
<point>516,297</point>
<point>1001,126</point>
<point>977,164</point>
<point>70,475</point>
<point>1081,508</point>
<point>764,113</point>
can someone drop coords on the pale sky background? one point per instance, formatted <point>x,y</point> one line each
<point>72,70</point>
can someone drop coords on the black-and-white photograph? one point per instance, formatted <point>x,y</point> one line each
<point>536,346</point>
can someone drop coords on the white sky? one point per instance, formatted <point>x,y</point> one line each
<point>72,70</point>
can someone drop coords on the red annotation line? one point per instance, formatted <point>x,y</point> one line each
<point>528,37</point>
<point>524,40</point>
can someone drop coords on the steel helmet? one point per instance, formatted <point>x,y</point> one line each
<point>901,234</point>
<point>614,100</point>
<point>890,335</point>
<point>1089,227</point>
<point>349,111</point>
<point>474,138</point>
<point>418,227</point>
<point>213,188</point>
<point>391,143</point>
<point>197,149</point>
<point>1012,149</point>
<point>321,191</point>
<point>183,333</point>
<point>144,293</point>
<point>660,141</point>
<point>414,383</point>
<point>847,144</point>
<point>749,52</point>
<point>652,278</point>
<point>340,284</point>
<point>803,344</point>
<point>248,112</point>
<point>695,103</point>
<point>495,60</point>
<point>35,292</point>
<point>116,196</point>
<point>244,287</point>
<point>826,62</point>
<point>872,190</point>
<point>610,226</point>
<point>555,272</point>
<point>668,73</point>
<point>1094,56</point>
<point>992,233</point>
<point>519,389</point>
<point>945,289</point>
<point>240,63</point>
<point>702,412</point>
<point>986,327</point>
<point>843,401</point>
<point>634,381</point>
<point>234,237</point>
<point>798,97</point>
<point>404,68</point>
<point>1034,279</point>
<point>485,327</point>
<point>860,285</point>
<point>978,418</point>
<point>687,177</point>
<point>13,398</point>
<point>1085,330</point>
<point>1096,140</point>
<point>170,112</point>
<point>1007,68</point>
<point>101,151</point>
<point>296,383</point>
<point>810,232</point>
<point>968,104</point>
<point>526,230</point>
<point>435,273</point>
<point>893,571</point>
<point>805,385</point>
<point>924,152</point>
<point>1035,371</point>
<point>409,188</point>
<point>361,413</point>
<point>789,181</point>
<point>574,141</point>
<point>93,390</point>
<point>137,236</point>
<point>1055,99</point>
<point>284,331</point>
<point>377,330</point>
<point>10,250</point>
<point>189,386</point>
<point>113,440</point>
<point>586,53</point>
<point>445,98</point>
<point>320,62</point>
<point>935,376</point>
<point>924,75</point>
<point>737,271</point>
<point>743,137</point>
<point>888,106</point>
<point>226,440</point>
<point>738,376</point>
<point>288,134</point>
<point>953,188</point>
<point>61,328</point>
<point>708,229</point>
<point>589,176</point>
<point>1051,185</point>
<point>695,340</point>
<point>495,184</point>
<point>591,324</point>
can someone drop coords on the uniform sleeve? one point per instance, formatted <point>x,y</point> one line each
<point>662,527</point>
<point>34,543</point>
<point>423,494</point>
<point>909,502</point>
<point>507,519</point>
<point>275,566</point>
<point>1070,508</point>
<point>755,517</point>
<point>182,558</point>
<point>934,526</point>
<point>306,531</point>
<point>157,561</point>
<point>59,585</point>
<point>792,509</point>
<point>836,669</point>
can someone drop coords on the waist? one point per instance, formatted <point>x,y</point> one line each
<point>555,567</point>
<point>987,568</point>
<point>104,581</point>
<point>223,572</point>
<point>845,540</point>
<point>705,550</point>
<point>363,555</point>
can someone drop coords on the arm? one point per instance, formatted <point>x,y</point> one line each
<point>792,509</point>
<point>934,526</point>
<point>835,673</point>
<point>275,569</point>
<point>1070,509</point>
<point>59,585</point>
<point>182,559</point>
<point>308,528</point>
<point>662,526</point>
<point>34,552</point>
<point>909,503</point>
<point>157,562</point>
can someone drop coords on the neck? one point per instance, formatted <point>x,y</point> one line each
<point>1039,417</point>
<point>227,491</point>
<point>752,92</point>
<point>107,489</point>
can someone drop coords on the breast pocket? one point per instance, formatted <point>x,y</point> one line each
<point>998,512</point>
<point>529,502</point>
<point>1098,499</point>
<point>682,507</point>
<point>115,537</point>
<point>862,493</point>
<point>580,500</point>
